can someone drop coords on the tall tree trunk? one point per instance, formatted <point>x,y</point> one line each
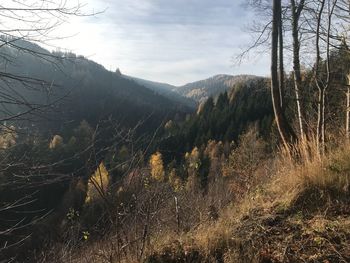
<point>322,87</point>
<point>287,134</point>
<point>296,11</point>
<point>320,119</point>
<point>281,63</point>
<point>347,119</point>
<point>319,85</point>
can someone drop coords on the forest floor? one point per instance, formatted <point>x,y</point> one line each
<point>305,232</point>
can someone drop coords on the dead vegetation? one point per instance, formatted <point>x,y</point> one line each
<point>300,215</point>
<point>282,210</point>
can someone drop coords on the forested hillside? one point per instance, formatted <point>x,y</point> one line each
<point>223,117</point>
<point>75,89</point>
<point>201,90</point>
<point>97,166</point>
<point>196,93</point>
<point>168,91</point>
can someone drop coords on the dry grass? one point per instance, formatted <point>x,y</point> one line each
<point>317,184</point>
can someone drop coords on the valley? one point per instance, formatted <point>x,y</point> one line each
<point>240,166</point>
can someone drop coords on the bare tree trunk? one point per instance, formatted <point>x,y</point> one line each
<point>287,134</point>
<point>318,82</point>
<point>281,63</point>
<point>322,87</point>
<point>177,214</point>
<point>144,234</point>
<point>296,11</point>
<point>347,119</point>
<point>320,119</point>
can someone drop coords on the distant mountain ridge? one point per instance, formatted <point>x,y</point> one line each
<point>203,89</point>
<point>165,90</point>
<point>195,93</point>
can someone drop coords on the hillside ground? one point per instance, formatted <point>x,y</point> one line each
<point>301,214</point>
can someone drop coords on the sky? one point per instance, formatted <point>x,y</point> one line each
<point>172,41</point>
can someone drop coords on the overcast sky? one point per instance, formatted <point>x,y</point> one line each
<point>173,41</point>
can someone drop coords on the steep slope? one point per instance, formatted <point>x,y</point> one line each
<point>223,118</point>
<point>203,89</point>
<point>298,213</point>
<point>165,90</point>
<point>80,88</point>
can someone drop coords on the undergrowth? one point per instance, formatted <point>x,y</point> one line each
<point>294,209</point>
<point>300,214</point>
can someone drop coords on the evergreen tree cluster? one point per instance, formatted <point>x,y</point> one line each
<point>223,118</point>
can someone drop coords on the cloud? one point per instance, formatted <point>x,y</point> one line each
<point>184,12</point>
<point>174,41</point>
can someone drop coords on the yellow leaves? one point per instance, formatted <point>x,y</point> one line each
<point>146,183</point>
<point>72,214</point>
<point>193,159</point>
<point>319,240</point>
<point>158,173</point>
<point>8,137</point>
<point>56,141</point>
<point>169,125</point>
<point>175,181</point>
<point>98,184</point>
<point>194,155</point>
<point>157,167</point>
<point>86,235</point>
<point>193,164</point>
